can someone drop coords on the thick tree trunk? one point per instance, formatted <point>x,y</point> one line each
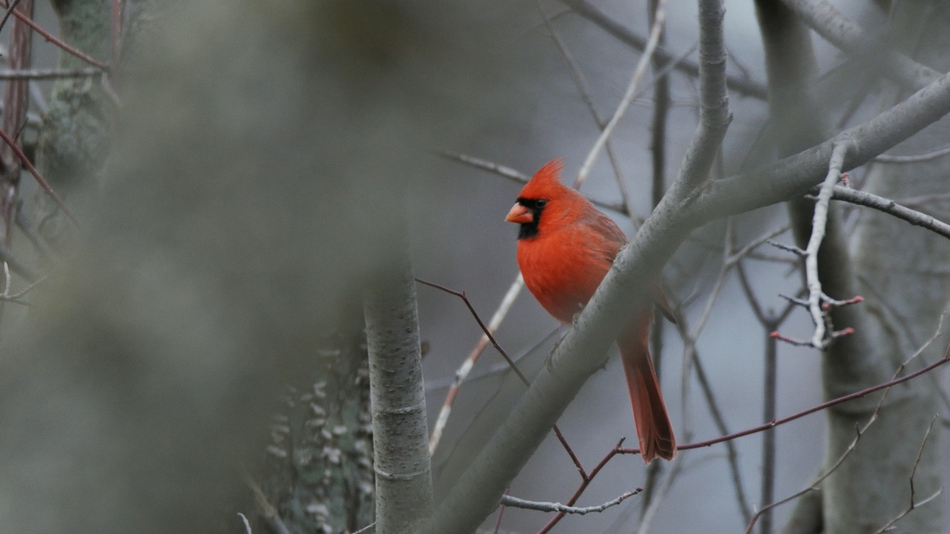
<point>906,284</point>
<point>872,486</point>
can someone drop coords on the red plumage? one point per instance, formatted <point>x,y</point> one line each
<point>565,248</point>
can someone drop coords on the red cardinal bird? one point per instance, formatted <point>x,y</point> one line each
<point>565,248</point>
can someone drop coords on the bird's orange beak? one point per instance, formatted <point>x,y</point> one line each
<point>519,214</point>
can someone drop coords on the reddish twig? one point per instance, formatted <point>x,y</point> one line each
<point>814,485</point>
<point>9,11</point>
<point>501,512</point>
<point>15,103</point>
<point>514,367</point>
<point>117,9</point>
<point>818,408</point>
<point>39,179</point>
<point>583,486</point>
<point>51,38</point>
<point>461,374</point>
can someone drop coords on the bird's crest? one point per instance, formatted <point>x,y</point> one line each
<point>545,181</point>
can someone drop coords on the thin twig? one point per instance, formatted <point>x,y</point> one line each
<point>51,38</point>
<point>910,508</point>
<point>488,333</point>
<point>508,500</point>
<point>501,512</point>
<point>583,486</point>
<point>891,207</point>
<point>817,302</point>
<point>861,430</point>
<point>39,179</point>
<point>515,176</point>
<point>247,524</point>
<point>48,74</point>
<point>914,158</point>
<point>849,37</point>
<point>809,411</point>
<point>118,7</point>
<point>584,89</point>
<point>590,12</point>
<point>642,65</point>
<point>462,373</point>
<point>815,484</point>
<point>646,520</point>
<point>8,12</point>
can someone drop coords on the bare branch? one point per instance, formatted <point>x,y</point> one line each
<point>402,463</point>
<point>778,422</point>
<point>247,524</point>
<point>477,491</point>
<point>36,175</point>
<point>817,482</point>
<point>714,115</point>
<point>914,158</point>
<point>583,486</point>
<point>51,38</point>
<point>646,520</point>
<point>462,373</point>
<point>584,89</point>
<point>913,505</point>
<point>524,380</point>
<point>516,176</point>
<point>848,36</point>
<point>48,74</point>
<point>891,207</point>
<point>820,339</point>
<point>508,500</point>
<point>590,12</point>
<point>655,31</point>
<point>15,264</point>
<point>796,174</point>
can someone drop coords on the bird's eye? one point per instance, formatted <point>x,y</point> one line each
<point>541,202</point>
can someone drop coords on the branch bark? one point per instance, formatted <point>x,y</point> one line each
<point>910,288</point>
<point>848,36</point>
<point>15,102</point>
<point>403,470</point>
<point>590,12</point>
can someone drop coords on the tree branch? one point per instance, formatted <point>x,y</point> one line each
<point>891,207</point>
<point>794,175</point>
<point>508,500</point>
<point>848,36</point>
<point>590,12</point>
<point>638,72</point>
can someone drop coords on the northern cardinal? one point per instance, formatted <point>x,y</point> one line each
<point>565,248</point>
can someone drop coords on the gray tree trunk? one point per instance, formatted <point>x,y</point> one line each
<point>872,486</point>
<point>400,433</point>
<point>906,284</point>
